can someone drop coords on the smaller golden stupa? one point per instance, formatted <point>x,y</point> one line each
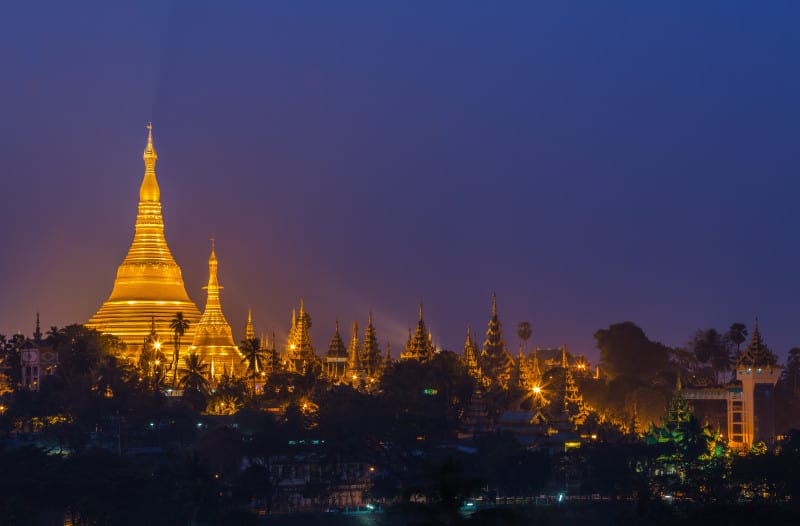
<point>213,339</point>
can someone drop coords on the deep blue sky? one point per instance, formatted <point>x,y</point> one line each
<point>592,163</point>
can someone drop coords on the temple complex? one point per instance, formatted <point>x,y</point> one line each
<point>213,339</point>
<point>149,284</point>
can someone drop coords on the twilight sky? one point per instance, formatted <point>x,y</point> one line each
<point>592,163</point>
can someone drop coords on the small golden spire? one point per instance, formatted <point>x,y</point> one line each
<point>249,330</point>
<point>213,280</point>
<point>420,310</point>
<point>494,303</point>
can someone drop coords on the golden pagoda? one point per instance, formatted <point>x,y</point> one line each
<point>249,330</point>
<point>149,285</point>
<point>213,339</point>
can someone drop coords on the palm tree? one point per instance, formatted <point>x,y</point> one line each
<point>254,356</point>
<point>738,334</point>
<point>179,326</point>
<point>524,332</point>
<point>194,374</point>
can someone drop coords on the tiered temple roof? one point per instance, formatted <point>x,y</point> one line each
<point>419,346</point>
<point>299,349</point>
<point>370,350</point>
<point>336,357</point>
<point>757,354</point>
<point>496,363</point>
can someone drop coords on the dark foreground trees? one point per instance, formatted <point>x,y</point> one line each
<point>99,487</point>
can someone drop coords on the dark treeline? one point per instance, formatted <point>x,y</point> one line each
<point>101,443</point>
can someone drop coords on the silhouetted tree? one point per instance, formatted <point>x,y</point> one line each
<point>524,332</point>
<point>254,356</point>
<point>179,326</point>
<point>791,373</point>
<point>625,350</point>
<point>737,333</point>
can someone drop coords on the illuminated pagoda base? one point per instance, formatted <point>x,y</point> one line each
<point>149,284</point>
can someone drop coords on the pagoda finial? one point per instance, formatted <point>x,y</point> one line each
<point>150,156</point>
<point>302,306</point>
<point>213,280</point>
<point>678,384</point>
<point>420,309</point>
<point>369,322</point>
<point>494,303</point>
<point>564,362</point>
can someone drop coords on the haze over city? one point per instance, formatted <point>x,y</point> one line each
<point>592,164</point>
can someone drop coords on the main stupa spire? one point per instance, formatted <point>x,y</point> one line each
<point>149,282</point>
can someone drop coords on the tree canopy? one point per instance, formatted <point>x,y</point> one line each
<point>625,350</point>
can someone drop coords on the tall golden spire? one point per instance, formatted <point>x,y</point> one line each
<point>149,191</point>
<point>149,281</point>
<point>249,331</point>
<point>213,338</point>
